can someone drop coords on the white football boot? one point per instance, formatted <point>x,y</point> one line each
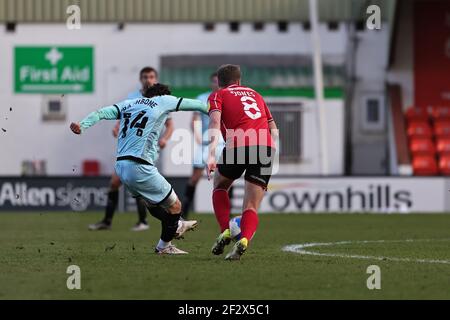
<point>184,226</point>
<point>170,249</point>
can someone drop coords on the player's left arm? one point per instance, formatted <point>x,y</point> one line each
<point>106,113</point>
<point>185,104</point>
<point>273,130</point>
<point>272,124</point>
<point>179,104</point>
<point>173,104</point>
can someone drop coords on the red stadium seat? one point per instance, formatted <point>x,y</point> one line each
<point>442,128</point>
<point>441,113</point>
<point>443,145</point>
<point>91,168</point>
<point>419,129</point>
<point>422,146</point>
<point>424,165</point>
<point>414,114</point>
<point>444,164</point>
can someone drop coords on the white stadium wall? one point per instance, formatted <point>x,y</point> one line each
<point>370,61</point>
<point>310,142</point>
<point>118,57</point>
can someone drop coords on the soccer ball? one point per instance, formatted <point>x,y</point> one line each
<point>235,227</point>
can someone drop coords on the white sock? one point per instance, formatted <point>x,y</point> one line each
<point>162,244</point>
<point>180,223</point>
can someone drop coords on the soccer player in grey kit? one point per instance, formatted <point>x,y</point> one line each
<point>148,76</point>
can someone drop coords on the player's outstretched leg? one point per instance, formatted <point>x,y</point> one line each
<point>111,205</point>
<point>249,222</point>
<point>222,208</point>
<point>142,224</point>
<point>146,182</point>
<point>183,225</point>
<point>170,226</point>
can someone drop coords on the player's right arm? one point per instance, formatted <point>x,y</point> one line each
<point>215,117</point>
<point>106,113</point>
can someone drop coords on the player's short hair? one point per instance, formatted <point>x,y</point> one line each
<point>228,74</point>
<point>158,89</point>
<point>147,70</point>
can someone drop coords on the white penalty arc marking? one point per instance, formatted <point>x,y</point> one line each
<point>303,249</point>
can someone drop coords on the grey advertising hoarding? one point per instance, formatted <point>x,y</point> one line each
<point>53,194</point>
<point>64,193</point>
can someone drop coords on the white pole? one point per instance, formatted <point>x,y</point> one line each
<point>318,84</point>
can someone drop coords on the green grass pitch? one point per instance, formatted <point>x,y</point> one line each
<point>36,249</point>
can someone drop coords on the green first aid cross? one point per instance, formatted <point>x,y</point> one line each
<point>50,70</point>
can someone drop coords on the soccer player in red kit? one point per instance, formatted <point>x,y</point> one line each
<point>249,131</point>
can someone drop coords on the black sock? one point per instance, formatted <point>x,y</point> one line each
<point>169,226</point>
<point>111,205</point>
<point>189,193</point>
<point>158,212</point>
<point>142,210</point>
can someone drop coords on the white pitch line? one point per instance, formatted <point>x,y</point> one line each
<point>301,249</point>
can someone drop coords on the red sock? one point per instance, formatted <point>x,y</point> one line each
<point>222,208</point>
<point>249,223</point>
